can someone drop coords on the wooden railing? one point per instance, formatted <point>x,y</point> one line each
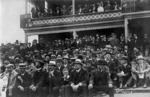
<point>73,19</point>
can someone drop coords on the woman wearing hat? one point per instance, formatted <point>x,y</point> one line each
<point>140,71</point>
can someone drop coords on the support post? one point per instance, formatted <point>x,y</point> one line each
<point>26,38</point>
<point>26,6</point>
<point>74,34</point>
<point>126,30</point>
<point>73,7</point>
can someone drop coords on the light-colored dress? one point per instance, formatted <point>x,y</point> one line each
<point>3,83</point>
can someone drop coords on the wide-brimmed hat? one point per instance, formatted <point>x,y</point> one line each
<point>52,63</point>
<point>66,57</point>
<point>9,65</point>
<point>78,61</point>
<point>108,46</point>
<point>140,58</point>
<point>22,65</point>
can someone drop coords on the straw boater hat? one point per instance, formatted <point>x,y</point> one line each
<point>9,65</point>
<point>78,61</point>
<point>22,65</point>
<point>52,63</point>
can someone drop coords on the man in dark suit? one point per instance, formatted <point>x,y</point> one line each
<point>78,79</point>
<point>36,88</point>
<point>124,72</point>
<point>112,67</point>
<point>53,79</point>
<point>100,80</point>
<point>23,81</point>
<point>59,63</point>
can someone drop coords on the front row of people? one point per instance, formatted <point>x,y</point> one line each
<point>72,80</point>
<point>75,82</point>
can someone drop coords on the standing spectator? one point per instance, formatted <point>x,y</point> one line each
<point>11,81</point>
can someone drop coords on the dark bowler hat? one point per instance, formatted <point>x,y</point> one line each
<point>22,65</point>
<point>102,62</point>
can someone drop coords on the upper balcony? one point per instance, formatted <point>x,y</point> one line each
<point>41,13</point>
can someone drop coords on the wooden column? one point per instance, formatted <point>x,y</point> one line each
<point>126,30</point>
<point>73,7</point>
<point>26,38</point>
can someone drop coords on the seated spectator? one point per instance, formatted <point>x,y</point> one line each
<point>53,80</point>
<point>116,6</point>
<point>108,6</point>
<point>23,81</point>
<point>65,88</point>
<point>58,12</point>
<point>112,67</point>
<point>80,9</point>
<point>100,8</point>
<point>94,8</point>
<point>140,71</point>
<point>85,9</point>
<point>46,12</point>
<point>100,81</point>
<point>124,72</point>
<point>64,10</point>
<point>50,13</point>
<point>78,79</point>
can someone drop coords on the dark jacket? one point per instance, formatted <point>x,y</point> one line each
<point>38,78</point>
<point>53,81</point>
<point>100,78</point>
<point>78,77</point>
<point>23,80</point>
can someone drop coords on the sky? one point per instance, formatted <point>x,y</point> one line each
<point>10,11</point>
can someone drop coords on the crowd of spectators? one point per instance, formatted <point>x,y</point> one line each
<point>63,10</point>
<point>73,67</point>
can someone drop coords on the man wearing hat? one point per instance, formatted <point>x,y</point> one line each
<point>52,80</point>
<point>124,72</point>
<point>100,80</point>
<point>112,67</point>
<point>66,63</point>
<point>37,80</point>
<point>78,79</point>
<point>11,74</point>
<point>59,63</point>
<point>23,81</point>
<point>140,71</point>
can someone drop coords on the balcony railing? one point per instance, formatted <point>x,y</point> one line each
<point>74,19</point>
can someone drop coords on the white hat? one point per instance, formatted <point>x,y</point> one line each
<point>140,58</point>
<point>52,62</point>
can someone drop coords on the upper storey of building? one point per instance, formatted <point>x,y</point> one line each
<point>45,13</point>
